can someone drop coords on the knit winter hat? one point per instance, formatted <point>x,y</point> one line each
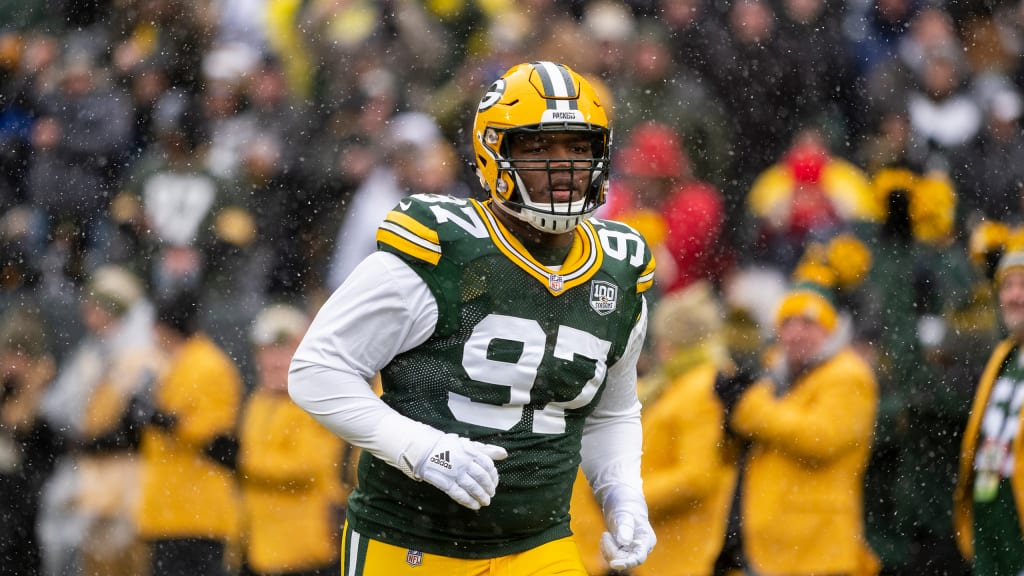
<point>1010,261</point>
<point>114,288</point>
<point>277,324</point>
<point>808,300</point>
<point>842,263</point>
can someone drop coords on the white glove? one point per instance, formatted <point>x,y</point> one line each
<point>462,469</point>
<point>630,537</point>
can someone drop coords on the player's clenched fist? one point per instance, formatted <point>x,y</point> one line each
<point>462,469</point>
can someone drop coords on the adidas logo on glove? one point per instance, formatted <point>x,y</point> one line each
<point>442,459</point>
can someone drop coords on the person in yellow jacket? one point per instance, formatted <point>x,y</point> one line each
<point>689,466</point>
<point>809,423</point>
<point>189,502</point>
<point>290,466</point>
<point>988,502</point>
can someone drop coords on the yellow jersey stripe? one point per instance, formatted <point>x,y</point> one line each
<point>406,246</point>
<point>412,225</point>
<point>646,279</point>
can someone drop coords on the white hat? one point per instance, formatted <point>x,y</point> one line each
<point>114,288</point>
<point>278,323</point>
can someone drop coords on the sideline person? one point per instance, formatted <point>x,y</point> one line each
<point>988,503</point>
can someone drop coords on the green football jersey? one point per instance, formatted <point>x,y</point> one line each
<point>519,358</point>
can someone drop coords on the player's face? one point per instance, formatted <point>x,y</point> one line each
<point>802,340</point>
<point>1011,301</point>
<point>547,180</point>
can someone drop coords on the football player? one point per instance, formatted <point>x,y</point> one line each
<point>506,333</point>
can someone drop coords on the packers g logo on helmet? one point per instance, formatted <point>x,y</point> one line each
<point>493,94</point>
<point>535,97</point>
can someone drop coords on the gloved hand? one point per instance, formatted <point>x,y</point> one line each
<point>730,387</point>
<point>462,469</point>
<point>142,411</point>
<point>629,538</point>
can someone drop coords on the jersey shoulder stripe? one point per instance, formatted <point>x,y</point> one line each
<point>409,235</point>
<point>646,278</point>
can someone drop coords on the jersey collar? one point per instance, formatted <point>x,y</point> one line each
<point>583,261</point>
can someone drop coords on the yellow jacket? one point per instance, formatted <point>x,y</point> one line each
<point>963,499</point>
<point>803,486</point>
<point>689,472</point>
<point>184,492</point>
<point>291,486</point>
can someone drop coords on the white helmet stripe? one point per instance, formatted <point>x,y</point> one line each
<point>558,85</point>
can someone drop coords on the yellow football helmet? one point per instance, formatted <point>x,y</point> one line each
<point>534,97</point>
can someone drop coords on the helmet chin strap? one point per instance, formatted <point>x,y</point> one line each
<point>536,215</point>
<point>555,223</point>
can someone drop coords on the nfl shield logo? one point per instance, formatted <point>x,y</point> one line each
<point>555,282</point>
<point>413,558</point>
<point>603,297</point>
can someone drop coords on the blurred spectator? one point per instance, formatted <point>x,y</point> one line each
<point>809,420</point>
<point>944,116</point>
<point>826,94</point>
<point>696,29</point>
<point>990,169</point>
<point>290,466</point>
<point>809,195</point>
<point>351,38</point>
<point>26,443</point>
<point>680,216</point>
<point>176,33</point>
<point>87,525</point>
<point>653,84</point>
<point>395,176</point>
<point>874,30</point>
<point>15,121</point>
<point>886,143</point>
<point>986,508</point>
<point>919,278</point>
<point>165,211</point>
<point>913,30</point>
<point>749,296</point>
<point>689,467</point>
<point>228,127</point>
<point>765,113</point>
<point>146,83</point>
<point>78,144</point>
<point>189,510</point>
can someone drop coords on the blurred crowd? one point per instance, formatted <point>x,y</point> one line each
<point>244,151</point>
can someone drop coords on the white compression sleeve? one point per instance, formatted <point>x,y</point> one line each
<point>381,310</point>
<point>612,435</point>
